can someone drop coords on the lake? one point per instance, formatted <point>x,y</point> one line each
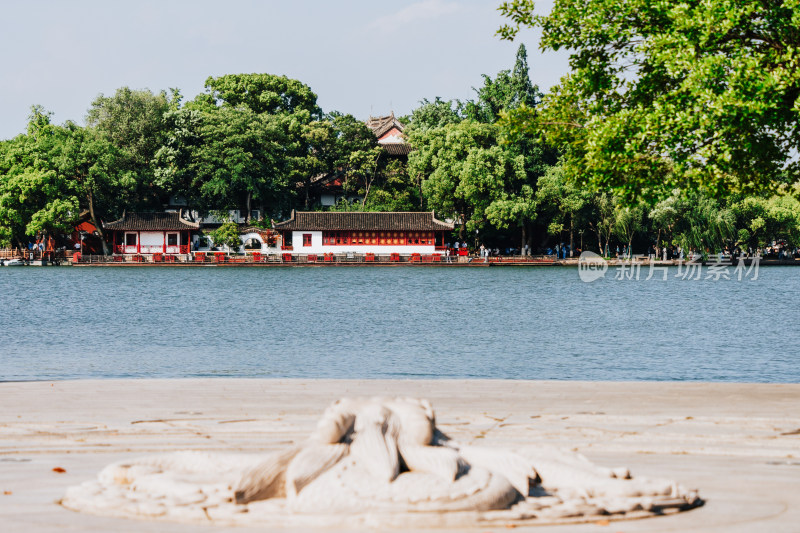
<point>397,322</point>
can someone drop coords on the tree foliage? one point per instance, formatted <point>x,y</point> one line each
<point>468,176</point>
<point>53,173</point>
<point>696,95</point>
<point>509,90</point>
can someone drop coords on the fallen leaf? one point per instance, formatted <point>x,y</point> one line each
<point>7,493</point>
<point>59,470</point>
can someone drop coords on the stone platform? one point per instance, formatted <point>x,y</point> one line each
<point>738,444</point>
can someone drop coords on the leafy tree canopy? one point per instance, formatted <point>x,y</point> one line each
<point>509,90</point>
<point>468,176</point>
<point>263,93</point>
<point>435,114</point>
<point>703,95</point>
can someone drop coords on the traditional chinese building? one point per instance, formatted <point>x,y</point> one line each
<point>327,189</point>
<point>151,233</point>
<point>406,233</point>
<point>389,132</point>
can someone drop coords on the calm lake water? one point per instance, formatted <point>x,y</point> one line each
<point>403,322</point>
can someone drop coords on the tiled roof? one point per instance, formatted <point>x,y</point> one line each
<point>151,222</point>
<point>255,229</point>
<point>396,148</point>
<point>380,125</point>
<point>358,220</point>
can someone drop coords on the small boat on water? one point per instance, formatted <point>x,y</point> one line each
<point>12,262</point>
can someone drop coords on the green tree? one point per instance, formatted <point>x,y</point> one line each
<point>133,122</point>
<point>262,94</point>
<point>704,93</point>
<point>177,170</point>
<point>628,222</point>
<point>396,190</point>
<point>435,114</point>
<point>561,202</point>
<point>665,215</point>
<point>343,145</point>
<point>509,90</point>
<point>762,220</point>
<point>227,235</point>
<point>702,224</point>
<point>603,221</point>
<point>468,176</point>
<point>91,165</point>
<point>239,145</point>
<point>52,173</point>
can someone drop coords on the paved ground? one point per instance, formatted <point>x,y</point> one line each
<point>738,444</point>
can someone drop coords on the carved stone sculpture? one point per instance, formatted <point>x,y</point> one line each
<point>370,460</point>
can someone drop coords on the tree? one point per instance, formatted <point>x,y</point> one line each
<point>34,197</point>
<point>763,220</point>
<point>240,144</point>
<point>468,176</point>
<point>395,192</point>
<point>91,165</point>
<point>176,168</point>
<point>262,94</point>
<point>227,235</point>
<point>133,122</point>
<point>343,145</point>
<point>627,222</point>
<point>604,206</point>
<point>704,93</point>
<point>435,114</point>
<point>509,90</point>
<point>665,215</point>
<point>701,223</point>
<point>561,202</point>
<point>52,173</point>
<point>242,160</point>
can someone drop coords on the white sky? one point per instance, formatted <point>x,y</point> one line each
<point>361,57</point>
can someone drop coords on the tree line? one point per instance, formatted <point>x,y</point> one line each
<point>641,144</point>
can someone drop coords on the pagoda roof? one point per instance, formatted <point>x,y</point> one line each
<point>396,148</point>
<point>363,221</point>
<point>170,221</point>
<point>381,125</point>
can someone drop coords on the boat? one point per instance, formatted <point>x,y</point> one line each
<point>13,262</point>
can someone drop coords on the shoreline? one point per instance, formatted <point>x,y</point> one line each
<point>474,262</point>
<point>737,443</point>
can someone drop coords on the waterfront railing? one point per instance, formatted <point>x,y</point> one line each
<point>304,259</point>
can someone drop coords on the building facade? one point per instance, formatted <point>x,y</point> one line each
<point>151,233</point>
<point>405,233</point>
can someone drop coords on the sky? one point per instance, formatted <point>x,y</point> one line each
<point>364,57</point>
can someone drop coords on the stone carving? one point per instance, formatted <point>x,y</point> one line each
<point>368,461</point>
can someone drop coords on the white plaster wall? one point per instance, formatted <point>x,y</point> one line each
<point>151,242</point>
<point>265,249</point>
<point>152,238</point>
